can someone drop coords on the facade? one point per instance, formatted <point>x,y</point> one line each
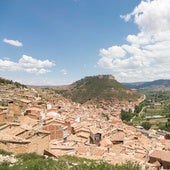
<point>95,136</point>
<point>56,131</point>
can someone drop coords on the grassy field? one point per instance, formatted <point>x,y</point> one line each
<point>32,161</point>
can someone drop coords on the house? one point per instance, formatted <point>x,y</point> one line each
<point>13,144</point>
<point>117,138</point>
<point>14,138</point>
<point>58,121</point>
<point>27,122</point>
<point>52,113</point>
<point>105,142</point>
<point>95,135</point>
<point>34,112</point>
<point>163,157</point>
<point>56,131</point>
<point>82,132</point>
<point>76,140</point>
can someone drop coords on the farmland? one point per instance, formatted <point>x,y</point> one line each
<point>154,110</point>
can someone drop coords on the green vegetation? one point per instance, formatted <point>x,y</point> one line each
<point>126,116</point>
<point>5,82</point>
<point>3,103</point>
<point>153,112</point>
<point>2,152</point>
<point>32,161</point>
<point>95,88</point>
<point>146,125</point>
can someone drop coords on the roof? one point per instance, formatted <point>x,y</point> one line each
<point>83,134</point>
<point>12,139</point>
<point>34,109</point>
<point>81,129</point>
<point>27,121</point>
<point>25,101</point>
<point>76,139</point>
<point>105,142</point>
<point>95,130</point>
<point>162,155</point>
<point>117,137</point>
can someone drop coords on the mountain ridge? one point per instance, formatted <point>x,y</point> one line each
<point>155,84</point>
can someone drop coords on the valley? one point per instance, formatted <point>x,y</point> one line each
<point>47,121</point>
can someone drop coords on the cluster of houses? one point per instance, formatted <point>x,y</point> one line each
<point>35,122</point>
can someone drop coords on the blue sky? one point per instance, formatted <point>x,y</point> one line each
<point>54,42</point>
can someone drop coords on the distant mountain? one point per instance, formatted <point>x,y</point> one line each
<point>96,88</point>
<point>156,84</point>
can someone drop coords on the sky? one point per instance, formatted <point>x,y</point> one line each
<point>57,42</point>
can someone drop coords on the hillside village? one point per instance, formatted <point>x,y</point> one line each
<point>35,120</point>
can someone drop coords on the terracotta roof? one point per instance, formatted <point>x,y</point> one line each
<point>27,121</point>
<point>117,136</point>
<point>105,142</point>
<point>76,139</point>
<point>12,139</point>
<point>83,134</point>
<point>95,130</point>
<point>163,155</point>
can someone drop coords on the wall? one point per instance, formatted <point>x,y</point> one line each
<point>15,148</point>
<point>39,143</point>
<point>55,131</point>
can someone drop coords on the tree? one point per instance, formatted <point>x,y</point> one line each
<point>146,125</point>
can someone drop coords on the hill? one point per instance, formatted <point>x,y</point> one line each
<point>96,88</point>
<point>10,82</point>
<point>161,84</point>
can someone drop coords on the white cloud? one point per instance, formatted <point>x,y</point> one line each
<point>64,71</point>
<point>13,42</point>
<point>43,71</point>
<point>28,61</point>
<point>27,64</point>
<point>145,56</point>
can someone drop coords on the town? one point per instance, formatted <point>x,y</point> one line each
<point>34,120</point>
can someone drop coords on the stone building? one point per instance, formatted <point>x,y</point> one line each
<point>14,138</point>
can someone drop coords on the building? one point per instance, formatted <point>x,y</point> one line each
<point>95,135</point>
<point>163,157</point>
<point>15,139</point>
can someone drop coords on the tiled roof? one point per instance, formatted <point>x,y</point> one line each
<point>159,154</point>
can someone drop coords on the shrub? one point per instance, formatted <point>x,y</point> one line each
<point>146,125</point>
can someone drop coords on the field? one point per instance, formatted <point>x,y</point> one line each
<point>153,112</point>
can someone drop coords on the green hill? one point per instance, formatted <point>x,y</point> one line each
<point>96,88</point>
<point>10,82</point>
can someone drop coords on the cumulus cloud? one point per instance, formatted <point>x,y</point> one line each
<point>27,64</point>
<point>145,56</point>
<point>28,61</point>
<point>13,42</point>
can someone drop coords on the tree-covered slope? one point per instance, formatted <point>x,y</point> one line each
<point>99,87</point>
<point>10,82</point>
